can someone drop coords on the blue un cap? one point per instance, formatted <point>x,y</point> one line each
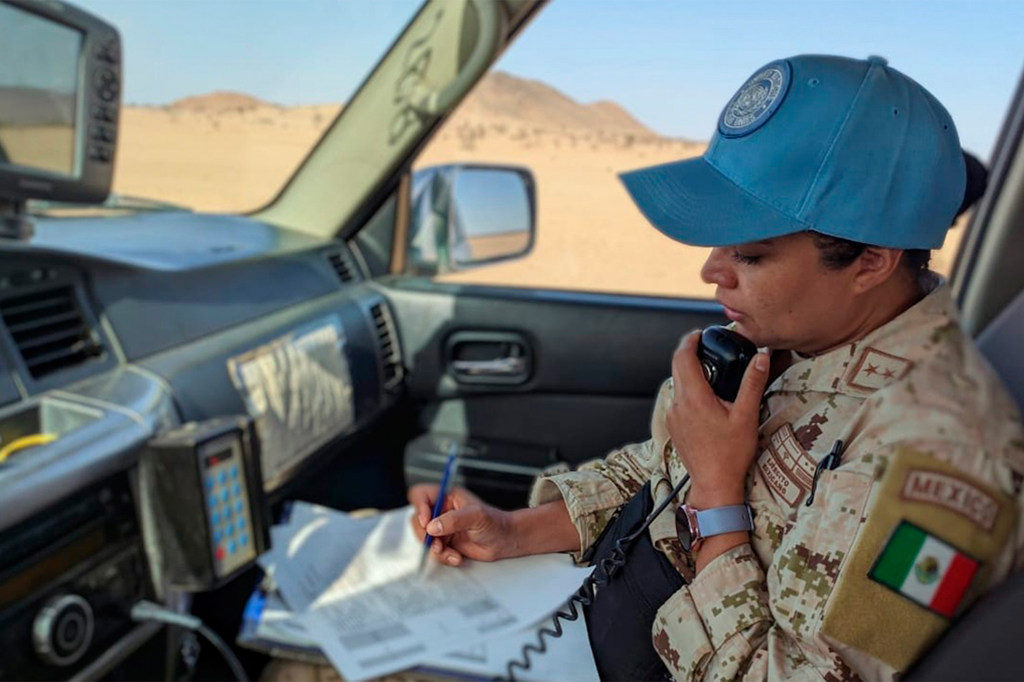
<point>845,147</point>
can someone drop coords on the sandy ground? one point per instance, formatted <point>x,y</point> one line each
<point>589,234</point>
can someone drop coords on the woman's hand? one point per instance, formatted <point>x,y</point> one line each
<point>466,528</point>
<point>715,439</point>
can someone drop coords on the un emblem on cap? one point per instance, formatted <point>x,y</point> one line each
<point>756,101</point>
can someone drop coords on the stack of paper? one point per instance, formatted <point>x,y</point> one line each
<point>351,589</point>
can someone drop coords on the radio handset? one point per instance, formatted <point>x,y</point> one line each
<point>724,356</point>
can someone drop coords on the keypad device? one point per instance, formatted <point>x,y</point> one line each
<point>228,508</point>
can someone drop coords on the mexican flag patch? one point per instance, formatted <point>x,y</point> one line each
<point>925,569</point>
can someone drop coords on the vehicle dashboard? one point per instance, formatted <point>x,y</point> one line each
<point>110,332</point>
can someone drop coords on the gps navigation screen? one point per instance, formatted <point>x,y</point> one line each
<point>38,92</point>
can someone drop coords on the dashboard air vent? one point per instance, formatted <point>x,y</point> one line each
<point>343,267</point>
<point>49,330</point>
<point>389,352</point>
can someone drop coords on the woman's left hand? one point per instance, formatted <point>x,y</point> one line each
<point>715,439</point>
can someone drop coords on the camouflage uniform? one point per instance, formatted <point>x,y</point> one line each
<point>930,437</point>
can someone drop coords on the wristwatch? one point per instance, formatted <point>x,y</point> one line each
<point>694,525</point>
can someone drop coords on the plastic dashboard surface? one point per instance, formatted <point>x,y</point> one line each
<point>167,319</point>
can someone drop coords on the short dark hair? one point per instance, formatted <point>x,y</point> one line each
<point>838,253</point>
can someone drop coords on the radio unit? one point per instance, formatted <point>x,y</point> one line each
<point>68,578</point>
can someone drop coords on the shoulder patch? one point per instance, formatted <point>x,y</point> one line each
<point>925,569</point>
<point>923,553</point>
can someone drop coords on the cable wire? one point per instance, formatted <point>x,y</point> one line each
<point>229,656</point>
<point>147,610</point>
<point>584,596</point>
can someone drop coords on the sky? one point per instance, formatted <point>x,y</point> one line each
<point>672,63</point>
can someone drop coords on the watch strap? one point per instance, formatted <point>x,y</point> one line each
<point>728,519</point>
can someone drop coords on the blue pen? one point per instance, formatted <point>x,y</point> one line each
<point>446,479</point>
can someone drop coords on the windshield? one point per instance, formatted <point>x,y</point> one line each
<point>223,99</point>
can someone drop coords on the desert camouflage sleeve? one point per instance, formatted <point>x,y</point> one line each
<point>819,613</point>
<point>596,489</point>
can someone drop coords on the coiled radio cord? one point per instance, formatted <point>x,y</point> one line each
<point>584,596</point>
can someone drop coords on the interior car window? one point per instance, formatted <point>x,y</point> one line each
<point>642,84</point>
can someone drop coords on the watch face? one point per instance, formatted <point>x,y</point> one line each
<point>686,527</point>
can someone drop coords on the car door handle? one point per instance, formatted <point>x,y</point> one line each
<point>498,367</point>
<point>487,357</point>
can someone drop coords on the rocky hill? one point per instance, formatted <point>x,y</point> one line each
<point>499,99</point>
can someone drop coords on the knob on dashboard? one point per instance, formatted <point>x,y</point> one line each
<point>62,630</point>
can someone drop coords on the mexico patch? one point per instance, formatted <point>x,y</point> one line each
<point>924,569</point>
<point>929,544</point>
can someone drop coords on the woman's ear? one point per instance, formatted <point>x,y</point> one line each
<point>875,266</point>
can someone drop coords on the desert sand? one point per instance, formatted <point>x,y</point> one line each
<point>228,152</point>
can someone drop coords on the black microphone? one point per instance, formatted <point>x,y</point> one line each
<point>724,356</point>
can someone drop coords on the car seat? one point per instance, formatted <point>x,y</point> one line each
<point>985,643</point>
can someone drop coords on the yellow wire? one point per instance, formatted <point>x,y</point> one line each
<point>25,442</point>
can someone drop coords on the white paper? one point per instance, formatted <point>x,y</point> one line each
<point>565,658</point>
<point>311,550</point>
<point>355,587</point>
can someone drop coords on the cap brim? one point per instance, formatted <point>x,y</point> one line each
<point>692,202</point>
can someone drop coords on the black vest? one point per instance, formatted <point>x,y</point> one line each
<point>619,620</point>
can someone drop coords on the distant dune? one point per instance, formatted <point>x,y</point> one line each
<point>229,151</point>
<point>218,102</point>
<point>503,96</point>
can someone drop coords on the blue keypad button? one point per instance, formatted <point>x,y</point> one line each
<point>239,506</point>
<point>227,513</point>
<point>241,523</point>
<point>236,490</point>
<point>215,518</point>
<point>231,548</point>
<point>217,536</point>
<point>223,478</point>
<point>214,501</point>
<point>234,472</point>
<point>243,539</point>
<point>224,495</point>
<point>209,483</point>
<point>230,529</point>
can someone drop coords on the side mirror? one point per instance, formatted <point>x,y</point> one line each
<point>468,215</point>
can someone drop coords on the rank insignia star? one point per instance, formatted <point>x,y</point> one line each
<point>876,369</point>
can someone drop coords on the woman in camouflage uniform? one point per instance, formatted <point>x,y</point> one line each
<point>880,457</point>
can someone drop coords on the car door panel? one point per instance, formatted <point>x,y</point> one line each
<point>595,362</point>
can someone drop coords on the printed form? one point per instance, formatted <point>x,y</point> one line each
<point>355,587</point>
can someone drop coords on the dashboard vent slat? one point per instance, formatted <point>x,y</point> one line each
<point>44,339</point>
<point>34,324</point>
<point>390,355</point>
<point>49,330</point>
<point>343,267</point>
<point>26,307</point>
